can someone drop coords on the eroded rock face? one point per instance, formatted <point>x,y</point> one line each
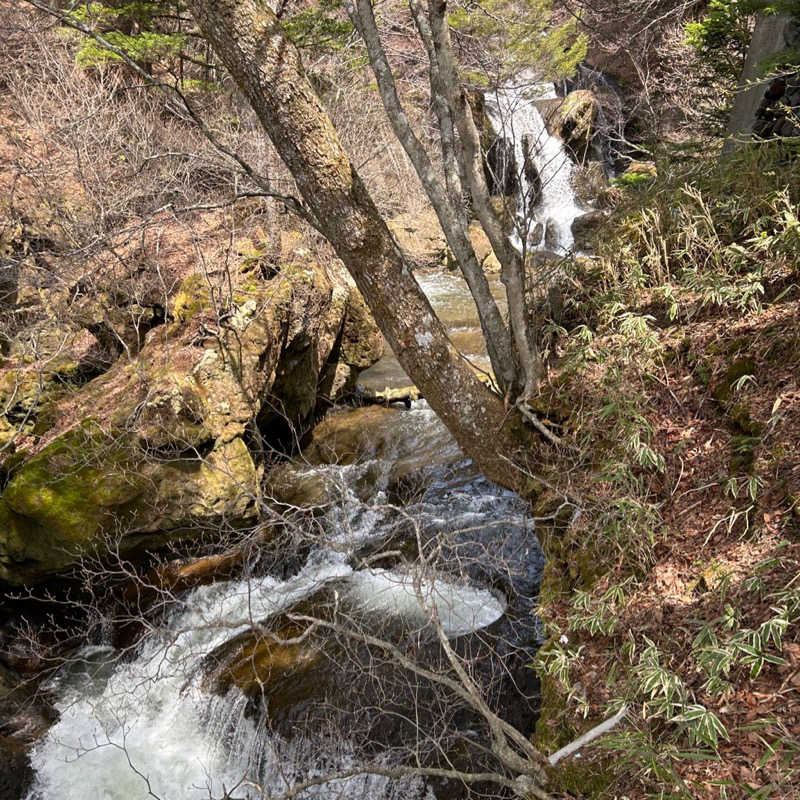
<point>573,119</point>
<point>156,447</point>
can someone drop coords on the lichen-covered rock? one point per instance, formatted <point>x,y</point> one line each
<point>155,448</point>
<point>505,207</point>
<point>361,340</point>
<point>28,386</point>
<point>574,120</point>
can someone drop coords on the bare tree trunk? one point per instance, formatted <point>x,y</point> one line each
<point>445,204</point>
<point>513,273</point>
<point>249,40</point>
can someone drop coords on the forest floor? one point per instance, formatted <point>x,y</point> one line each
<point>689,474</point>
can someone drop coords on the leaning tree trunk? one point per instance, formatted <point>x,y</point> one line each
<point>266,66</point>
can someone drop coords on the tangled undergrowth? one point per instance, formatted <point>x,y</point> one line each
<point>674,578</point>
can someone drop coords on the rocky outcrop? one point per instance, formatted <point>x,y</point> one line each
<point>573,119</point>
<point>585,227</point>
<point>757,102</point>
<point>779,112</point>
<point>157,447</point>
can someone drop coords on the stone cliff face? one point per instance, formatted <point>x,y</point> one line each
<point>161,445</point>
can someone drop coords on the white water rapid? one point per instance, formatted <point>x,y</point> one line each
<point>143,727</point>
<point>127,729</point>
<point>545,220</point>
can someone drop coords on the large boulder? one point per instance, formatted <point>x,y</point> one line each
<point>158,446</point>
<point>585,228</point>
<point>421,239</point>
<point>300,677</point>
<point>573,119</point>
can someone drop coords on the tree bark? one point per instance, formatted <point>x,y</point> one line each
<point>513,272</point>
<point>454,225</point>
<point>266,66</point>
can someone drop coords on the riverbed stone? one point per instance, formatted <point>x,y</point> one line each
<point>346,437</point>
<point>483,248</point>
<point>301,676</point>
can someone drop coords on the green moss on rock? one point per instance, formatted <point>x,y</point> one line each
<point>57,504</point>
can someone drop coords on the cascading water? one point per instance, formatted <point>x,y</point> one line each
<point>144,727</point>
<point>546,208</point>
<point>147,725</point>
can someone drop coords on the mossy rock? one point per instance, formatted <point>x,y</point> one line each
<point>86,486</point>
<point>26,394</point>
<point>554,730</point>
<point>163,454</point>
<point>57,504</point>
<point>193,298</point>
<point>188,494</point>
<point>575,121</point>
<point>737,370</point>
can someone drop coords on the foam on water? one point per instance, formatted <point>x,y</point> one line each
<point>460,609</point>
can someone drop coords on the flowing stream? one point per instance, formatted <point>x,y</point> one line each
<point>145,727</point>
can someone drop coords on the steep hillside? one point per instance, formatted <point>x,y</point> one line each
<point>675,542</point>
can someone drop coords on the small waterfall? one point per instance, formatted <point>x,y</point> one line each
<point>546,207</point>
<point>146,725</point>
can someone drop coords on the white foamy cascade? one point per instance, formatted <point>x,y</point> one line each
<point>145,725</point>
<point>128,729</point>
<point>515,117</point>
